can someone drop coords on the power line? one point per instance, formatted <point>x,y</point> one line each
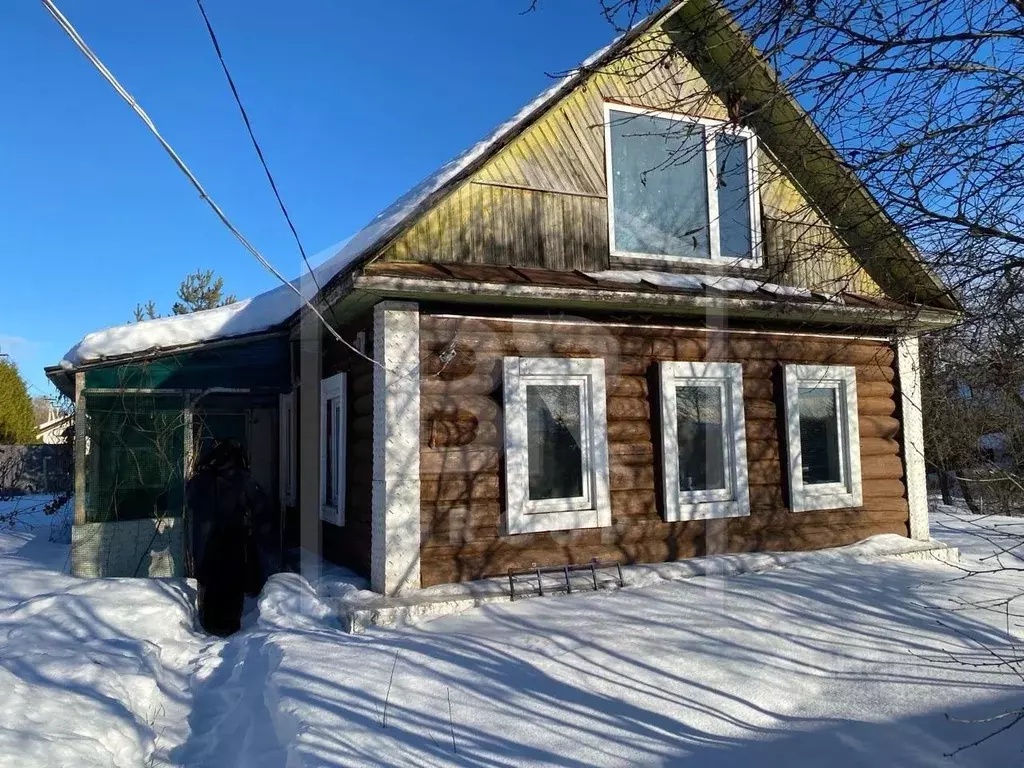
<point>266,168</point>
<point>109,77</point>
<point>255,143</point>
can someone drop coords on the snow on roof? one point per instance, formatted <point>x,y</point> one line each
<point>276,306</point>
<point>259,313</point>
<point>697,282</point>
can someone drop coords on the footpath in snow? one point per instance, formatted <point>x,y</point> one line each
<point>847,665</point>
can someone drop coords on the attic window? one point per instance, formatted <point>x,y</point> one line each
<point>681,188</point>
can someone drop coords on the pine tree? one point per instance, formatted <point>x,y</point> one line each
<point>197,291</point>
<point>146,311</point>
<point>200,291</point>
<point>17,424</point>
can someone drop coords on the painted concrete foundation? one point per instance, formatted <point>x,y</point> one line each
<point>449,599</point>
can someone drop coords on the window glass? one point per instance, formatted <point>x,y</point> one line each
<point>330,476</point>
<point>819,435</point>
<point>703,440</point>
<point>336,438</point>
<point>733,196</point>
<point>699,420</point>
<point>660,194</point>
<point>287,448</point>
<point>332,450</point>
<point>554,427</point>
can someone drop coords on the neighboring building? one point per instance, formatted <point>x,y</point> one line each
<point>55,430</point>
<point>585,341</point>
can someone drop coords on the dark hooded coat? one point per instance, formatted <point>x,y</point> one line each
<point>230,525</point>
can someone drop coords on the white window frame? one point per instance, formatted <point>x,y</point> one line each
<point>734,500</point>
<point>287,448</point>
<point>848,493</point>
<point>333,387</point>
<point>593,509</point>
<point>714,240</point>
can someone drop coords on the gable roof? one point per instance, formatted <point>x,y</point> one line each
<point>786,121</point>
<point>724,54</point>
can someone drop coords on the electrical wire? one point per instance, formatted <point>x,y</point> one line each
<point>124,94</point>
<point>255,143</point>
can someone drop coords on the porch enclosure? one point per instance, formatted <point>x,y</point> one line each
<point>147,423</point>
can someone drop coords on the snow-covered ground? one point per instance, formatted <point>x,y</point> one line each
<point>801,666</point>
<point>92,672</point>
<point>29,513</point>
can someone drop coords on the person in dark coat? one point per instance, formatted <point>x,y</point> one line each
<point>229,515</point>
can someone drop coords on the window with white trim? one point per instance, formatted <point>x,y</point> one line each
<point>556,444</point>
<point>287,449</point>
<point>681,188</point>
<point>823,437</point>
<point>704,441</point>
<point>332,449</point>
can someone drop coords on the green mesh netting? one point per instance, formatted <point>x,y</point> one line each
<point>135,457</point>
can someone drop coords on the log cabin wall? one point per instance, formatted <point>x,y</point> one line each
<point>542,200</point>
<point>349,545</point>
<point>462,470</point>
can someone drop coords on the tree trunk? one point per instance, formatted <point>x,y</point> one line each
<point>946,487</point>
<point>973,503</point>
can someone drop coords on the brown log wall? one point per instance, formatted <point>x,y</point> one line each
<point>462,463</point>
<point>350,544</point>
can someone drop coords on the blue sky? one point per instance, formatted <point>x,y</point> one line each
<point>353,103</point>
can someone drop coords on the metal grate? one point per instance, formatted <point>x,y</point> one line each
<point>538,580</point>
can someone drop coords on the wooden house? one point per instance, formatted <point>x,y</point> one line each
<point>651,317</point>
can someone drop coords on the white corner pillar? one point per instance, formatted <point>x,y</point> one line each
<point>908,368</point>
<point>395,548</point>
<point>310,357</point>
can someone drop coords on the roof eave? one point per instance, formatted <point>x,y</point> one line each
<point>912,320</point>
<point>62,378</point>
<point>156,353</point>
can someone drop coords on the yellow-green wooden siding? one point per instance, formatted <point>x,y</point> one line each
<point>542,199</point>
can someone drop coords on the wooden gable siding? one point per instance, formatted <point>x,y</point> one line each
<point>490,224</point>
<point>542,199</point>
<point>461,464</point>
